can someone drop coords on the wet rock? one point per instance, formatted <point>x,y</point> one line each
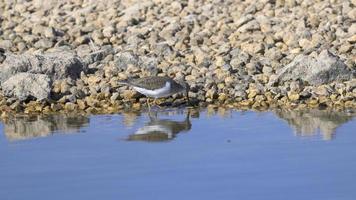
<point>324,68</point>
<point>69,106</point>
<point>27,86</point>
<point>82,104</point>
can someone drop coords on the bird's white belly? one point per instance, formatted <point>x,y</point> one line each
<point>157,93</point>
<point>154,128</point>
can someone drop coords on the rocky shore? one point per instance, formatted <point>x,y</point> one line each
<point>68,56</point>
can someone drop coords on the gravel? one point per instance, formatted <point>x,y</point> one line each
<point>254,54</point>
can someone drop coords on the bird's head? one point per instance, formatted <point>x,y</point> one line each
<point>186,88</point>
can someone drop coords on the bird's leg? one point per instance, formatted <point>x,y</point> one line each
<point>148,103</point>
<point>187,98</point>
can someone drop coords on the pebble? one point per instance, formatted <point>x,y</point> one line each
<point>293,96</point>
<point>69,106</point>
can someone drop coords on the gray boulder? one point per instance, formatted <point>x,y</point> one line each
<point>124,59</point>
<point>98,55</point>
<point>57,65</point>
<point>321,69</point>
<point>27,85</point>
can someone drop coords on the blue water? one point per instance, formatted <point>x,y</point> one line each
<point>210,155</point>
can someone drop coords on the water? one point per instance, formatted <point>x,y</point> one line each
<point>176,154</point>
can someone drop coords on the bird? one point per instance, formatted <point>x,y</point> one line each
<point>157,87</point>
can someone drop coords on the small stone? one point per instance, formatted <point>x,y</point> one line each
<point>246,103</point>
<point>211,93</point>
<point>93,80</point>
<point>295,51</point>
<point>64,87</point>
<point>5,44</point>
<point>108,31</point>
<point>56,107</point>
<point>16,106</point>
<point>43,43</point>
<point>69,106</point>
<point>252,94</point>
<point>267,70</point>
<point>229,80</point>
<point>305,93</point>
<point>115,96</point>
<point>219,61</point>
<point>322,91</point>
<point>222,97</point>
<point>82,104</point>
<point>129,94</point>
<point>260,98</point>
<point>49,32</point>
<point>240,93</point>
<point>293,96</point>
<point>352,39</point>
<point>345,48</point>
<point>91,110</point>
<point>312,102</point>
<point>136,106</point>
<point>295,86</point>
<point>305,44</point>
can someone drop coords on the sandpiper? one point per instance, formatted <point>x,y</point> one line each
<point>157,86</point>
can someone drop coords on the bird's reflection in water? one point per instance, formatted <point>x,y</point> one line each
<point>312,122</point>
<point>27,127</point>
<point>161,129</point>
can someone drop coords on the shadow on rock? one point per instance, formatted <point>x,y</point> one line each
<point>27,127</point>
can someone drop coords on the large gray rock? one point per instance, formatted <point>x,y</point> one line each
<point>124,59</point>
<point>322,69</point>
<point>26,85</point>
<point>57,65</point>
<point>98,55</point>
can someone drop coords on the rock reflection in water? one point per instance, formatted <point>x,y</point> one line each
<point>161,129</point>
<point>309,123</point>
<point>26,127</point>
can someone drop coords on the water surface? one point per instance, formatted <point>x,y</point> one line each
<point>180,154</point>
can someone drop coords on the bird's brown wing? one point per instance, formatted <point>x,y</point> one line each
<point>151,82</point>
